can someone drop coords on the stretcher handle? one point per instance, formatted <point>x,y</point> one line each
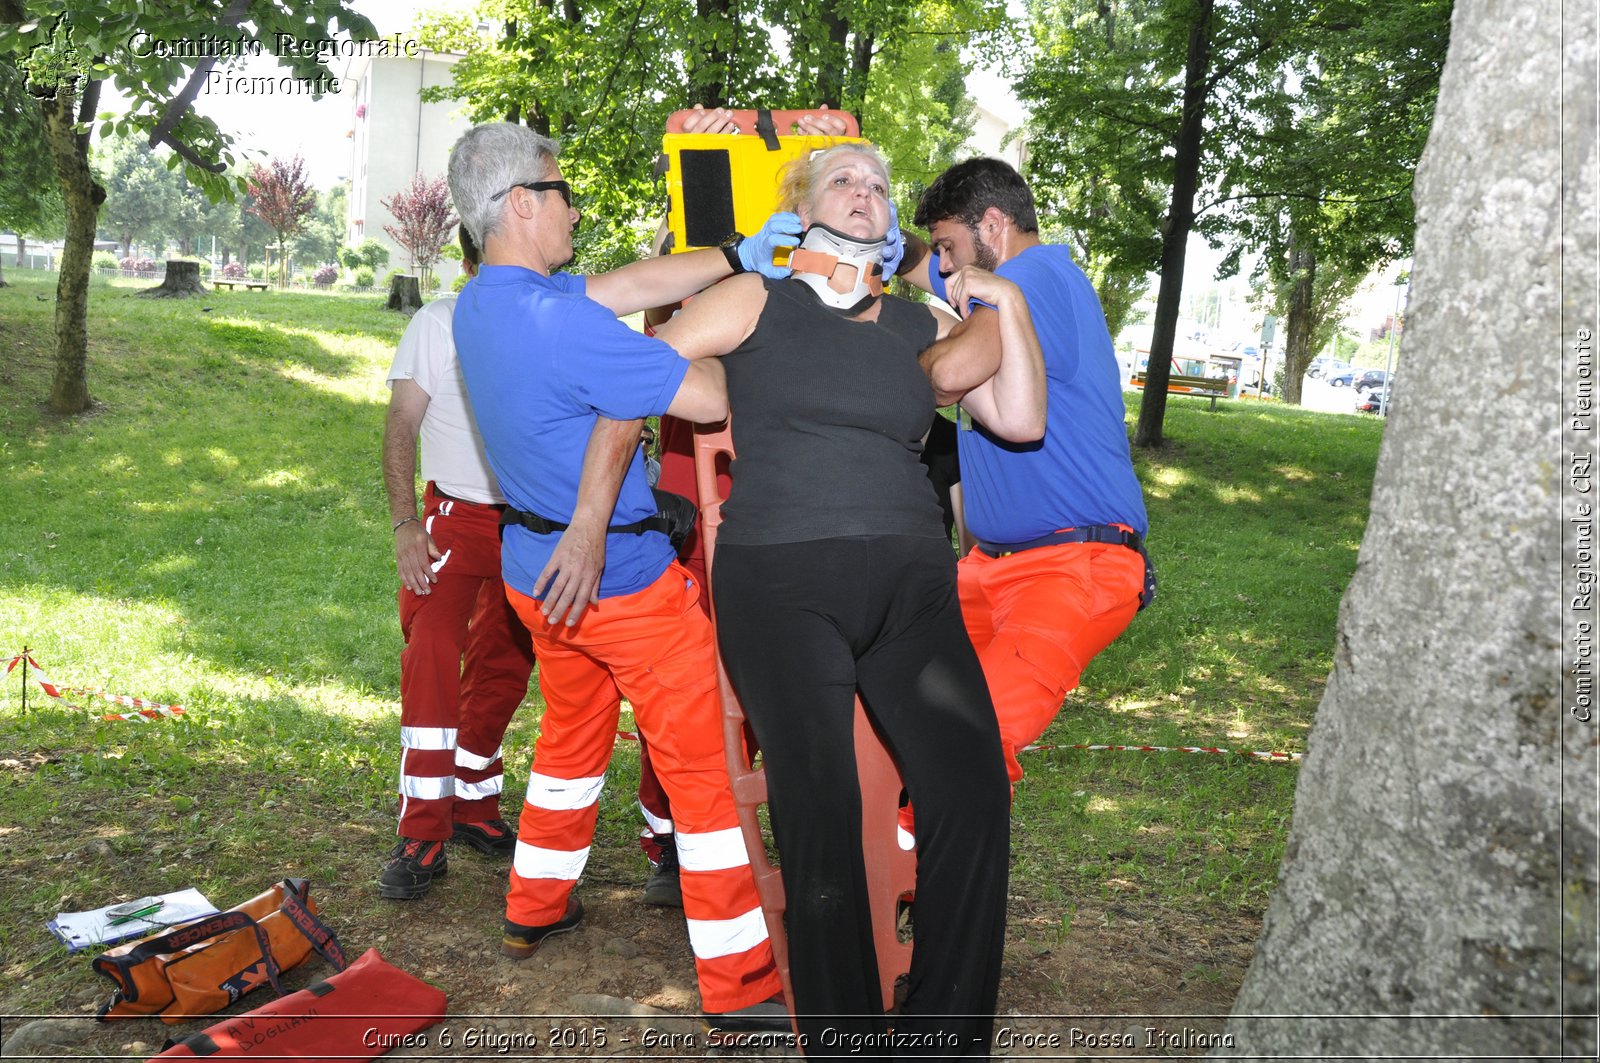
<point>782,121</point>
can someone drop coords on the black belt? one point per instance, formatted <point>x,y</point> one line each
<point>1093,533</point>
<point>544,525</point>
<point>674,518</point>
<point>498,507</point>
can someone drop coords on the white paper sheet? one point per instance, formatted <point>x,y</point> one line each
<point>82,930</point>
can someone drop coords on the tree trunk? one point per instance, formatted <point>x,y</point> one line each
<point>1442,863</point>
<point>831,65</point>
<point>717,19</point>
<point>1175,235</point>
<point>82,196</point>
<point>405,294</point>
<point>182,280</point>
<point>22,250</point>
<point>1297,333</point>
<point>860,70</point>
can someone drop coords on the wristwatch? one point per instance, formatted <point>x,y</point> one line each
<point>730,251</point>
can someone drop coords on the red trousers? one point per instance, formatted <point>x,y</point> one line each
<point>1036,619</point>
<point>653,647</point>
<point>463,673</point>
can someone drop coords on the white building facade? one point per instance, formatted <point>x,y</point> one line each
<point>395,135</point>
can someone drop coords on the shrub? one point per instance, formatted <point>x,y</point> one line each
<point>105,260</point>
<point>233,271</point>
<point>388,278</point>
<point>258,271</point>
<point>325,276</point>
<point>364,277</point>
<point>460,282</point>
<point>432,283</point>
<point>140,265</point>
<point>373,253</point>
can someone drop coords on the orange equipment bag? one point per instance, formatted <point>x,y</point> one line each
<point>203,966</point>
<point>363,1011</point>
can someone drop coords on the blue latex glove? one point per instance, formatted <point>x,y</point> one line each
<point>936,279</point>
<point>894,244</point>
<point>936,285</point>
<point>755,252</point>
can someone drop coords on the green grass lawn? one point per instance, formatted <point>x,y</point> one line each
<point>214,533</point>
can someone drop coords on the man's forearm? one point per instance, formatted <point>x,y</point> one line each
<point>655,282</point>
<point>965,358</point>
<point>400,471</point>
<point>605,464</point>
<point>919,258</point>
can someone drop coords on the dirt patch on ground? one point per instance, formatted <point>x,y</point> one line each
<point>1123,979</point>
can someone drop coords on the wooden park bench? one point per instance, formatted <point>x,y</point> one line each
<point>230,282</point>
<point>1190,385</point>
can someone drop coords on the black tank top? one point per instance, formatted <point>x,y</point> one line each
<point>828,417</point>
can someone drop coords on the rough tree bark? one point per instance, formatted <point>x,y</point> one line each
<point>405,293</point>
<point>1441,867</point>
<point>1147,430</point>
<point>182,280</point>
<point>1297,333</point>
<point>82,195</point>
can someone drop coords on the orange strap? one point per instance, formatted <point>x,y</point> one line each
<point>803,260</point>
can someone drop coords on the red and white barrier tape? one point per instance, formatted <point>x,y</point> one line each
<point>1258,754</point>
<point>144,710</point>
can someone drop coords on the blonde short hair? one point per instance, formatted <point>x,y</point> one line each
<point>797,184</point>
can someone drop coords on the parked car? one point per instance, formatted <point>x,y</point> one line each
<point>1326,367</point>
<point>1360,379</point>
<point>1371,379</point>
<point>1375,401</point>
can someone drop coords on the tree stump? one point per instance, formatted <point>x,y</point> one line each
<point>405,293</point>
<point>182,280</point>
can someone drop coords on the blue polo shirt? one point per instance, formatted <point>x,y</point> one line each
<point>541,362</point>
<point>1081,472</point>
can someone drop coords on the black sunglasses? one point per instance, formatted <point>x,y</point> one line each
<point>539,186</point>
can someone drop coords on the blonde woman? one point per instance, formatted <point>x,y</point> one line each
<point>833,576</point>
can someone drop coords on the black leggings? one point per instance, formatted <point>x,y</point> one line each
<point>802,627</point>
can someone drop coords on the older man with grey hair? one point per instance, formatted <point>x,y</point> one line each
<point>547,363</point>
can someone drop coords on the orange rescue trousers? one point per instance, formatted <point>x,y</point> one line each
<point>1037,618</point>
<point>655,648</point>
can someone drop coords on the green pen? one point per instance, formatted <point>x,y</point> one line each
<point>144,906</point>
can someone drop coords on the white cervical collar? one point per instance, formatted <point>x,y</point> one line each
<point>823,250</point>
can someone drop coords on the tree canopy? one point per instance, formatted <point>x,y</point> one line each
<point>897,64</point>
<point>425,219</point>
<point>143,197</point>
<point>67,48</point>
<point>282,197</point>
<point>1152,120</point>
<point>30,202</point>
<point>1323,194</point>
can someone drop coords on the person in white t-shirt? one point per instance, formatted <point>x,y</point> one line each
<point>467,658</point>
